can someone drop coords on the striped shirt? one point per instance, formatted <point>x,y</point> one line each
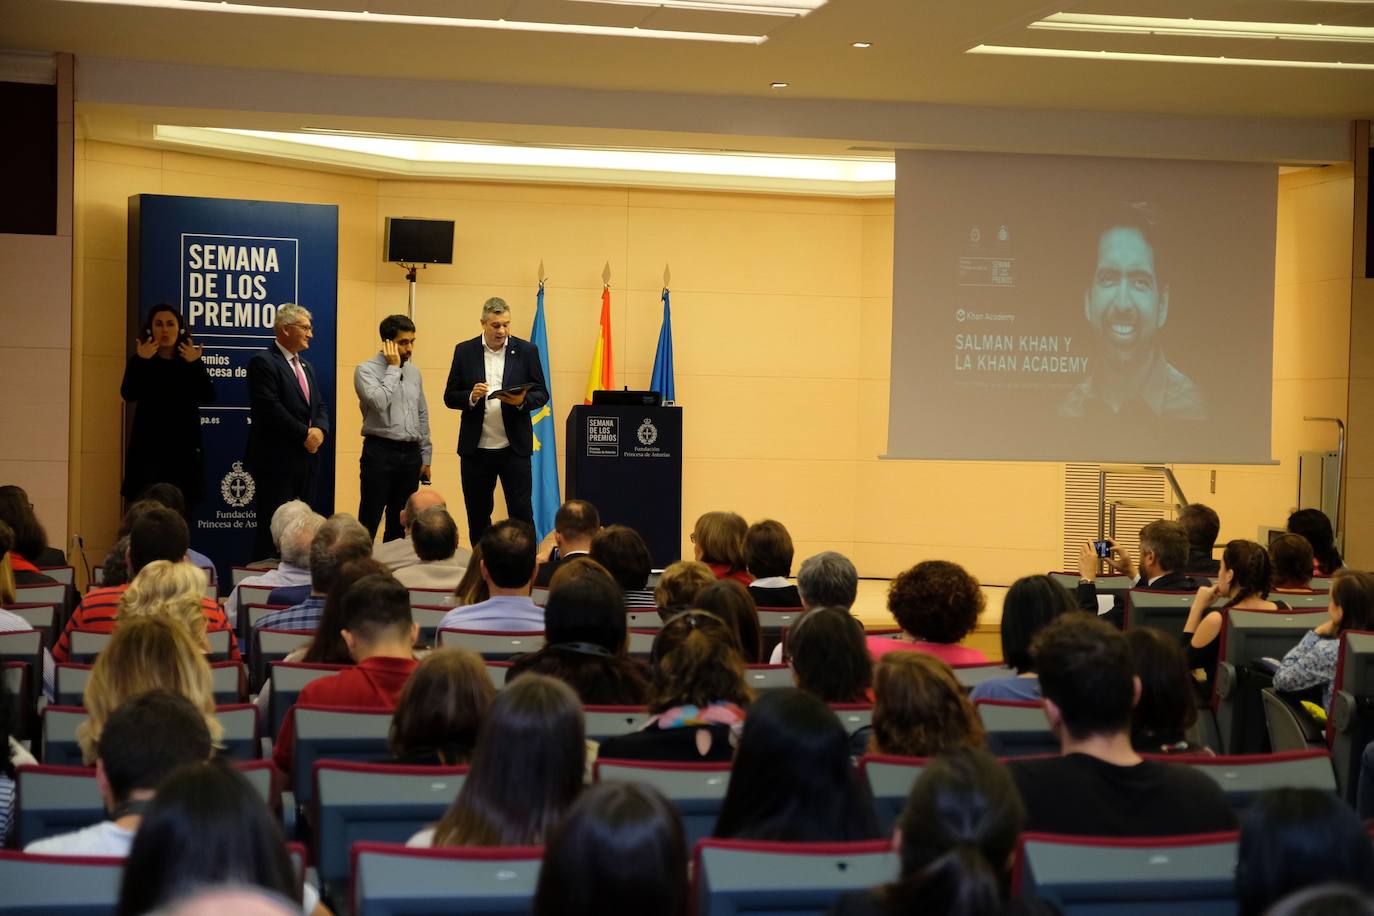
<point>639,599</point>
<point>98,611</point>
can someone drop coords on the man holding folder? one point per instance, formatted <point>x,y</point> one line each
<point>496,381</point>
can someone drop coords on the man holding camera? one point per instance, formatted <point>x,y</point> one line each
<point>1163,554</point>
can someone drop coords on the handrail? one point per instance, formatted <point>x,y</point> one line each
<point>1339,521</point>
<point>1106,509</point>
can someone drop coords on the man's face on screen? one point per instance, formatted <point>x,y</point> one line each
<point>1125,303</point>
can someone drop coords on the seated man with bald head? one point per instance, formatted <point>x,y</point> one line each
<point>400,552</point>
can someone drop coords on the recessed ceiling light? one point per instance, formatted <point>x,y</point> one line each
<point>756,7</point>
<point>862,44</point>
<point>1201,28</point>
<point>778,85</point>
<point>1073,54</point>
<point>510,25</point>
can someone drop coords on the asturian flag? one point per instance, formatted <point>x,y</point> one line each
<point>662,379</point>
<point>544,461</point>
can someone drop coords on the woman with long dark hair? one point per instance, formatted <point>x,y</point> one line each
<point>586,637</point>
<point>1031,602</point>
<point>619,850</point>
<point>792,779</point>
<point>731,602</point>
<point>207,825</point>
<point>441,709</point>
<point>1316,527</point>
<point>526,770</point>
<point>166,381</point>
<point>919,709</point>
<point>1244,579</point>
<point>1167,707</point>
<point>30,549</point>
<point>829,657</point>
<point>955,837</point>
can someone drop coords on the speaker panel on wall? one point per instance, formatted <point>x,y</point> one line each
<point>419,241</point>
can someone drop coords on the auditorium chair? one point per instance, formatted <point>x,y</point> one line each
<point>1288,725</point>
<point>1320,583</point>
<point>271,646</point>
<point>86,645</point>
<point>611,721</point>
<point>431,597</point>
<point>890,779</point>
<point>971,675</point>
<point>58,744</point>
<point>1350,726</point>
<point>287,681</point>
<point>497,672</point>
<point>240,740</point>
<point>763,678</point>
<point>1016,729</point>
<point>1303,601</point>
<point>539,595</point>
<point>16,676</point>
<point>1167,611</point>
<point>493,645</point>
<point>384,803</point>
<point>772,621</point>
<point>42,594</point>
<point>644,619</point>
<point>736,877</point>
<point>249,613</point>
<point>853,716</point>
<point>238,573</point>
<point>428,617</point>
<point>1106,585</point>
<point>1246,637</point>
<point>230,682</point>
<point>697,790</point>
<point>1145,876</point>
<point>391,880</point>
<point>63,574</point>
<point>1243,777</point>
<point>254,594</point>
<point>640,643</point>
<point>334,733</point>
<point>42,617</point>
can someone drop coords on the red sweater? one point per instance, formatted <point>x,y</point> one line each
<point>99,610</point>
<point>375,682</point>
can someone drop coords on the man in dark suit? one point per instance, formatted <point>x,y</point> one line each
<point>495,439</point>
<point>1163,553</point>
<point>290,421</point>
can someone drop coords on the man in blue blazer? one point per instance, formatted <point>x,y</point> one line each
<point>495,440</point>
<point>290,421</point>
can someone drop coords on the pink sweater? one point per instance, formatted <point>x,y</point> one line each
<point>878,646</point>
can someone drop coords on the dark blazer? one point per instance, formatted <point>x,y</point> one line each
<point>1086,593</point>
<point>281,417</point>
<point>470,369</point>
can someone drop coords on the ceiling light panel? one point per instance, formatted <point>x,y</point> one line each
<point>1203,28</point>
<point>1149,57</point>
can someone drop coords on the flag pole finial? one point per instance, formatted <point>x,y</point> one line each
<point>666,275</point>
<point>542,278</point>
<point>606,274</point>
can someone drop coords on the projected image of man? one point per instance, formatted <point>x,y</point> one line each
<point>1127,305</point>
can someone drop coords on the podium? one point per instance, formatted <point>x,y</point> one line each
<point>627,461</point>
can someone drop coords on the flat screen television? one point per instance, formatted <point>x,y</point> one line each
<point>419,241</point>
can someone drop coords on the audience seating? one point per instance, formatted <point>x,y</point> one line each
<point>609,721</point>
<point>1129,876</point>
<point>87,644</point>
<point>248,615</point>
<point>539,595</point>
<point>58,744</point>
<point>383,803</point>
<point>1288,726</point>
<point>1247,636</point>
<point>890,779</point>
<point>238,573</point>
<point>42,594</point>
<point>697,790</point>
<point>240,721</point>
<point>1245,776</point>
<point>742,876</point>
<point>335,733</point>
<point>431,597</point>
<point>64,574</point>
<point>1350,726</point>
<point>58,885</point>
<point>288,678</point>
<point>493,645</point>
<point>641,643</point>
<point>970,676</point>
<point>1106,585</point>
<point>1320,583</point>
<point>24,646</point>
<point>230,683</point>
<point>772,621</point>
<point>853,716</point>
<point>16,676</point>
<point>497,671</point>
<point>1167,611</point>
<point>254,594</point>
<point>42,617</point>
<point>1016,729</point>
<point>271,646</point>
<point>1302,601</point>
<point>391,880</point>
<point>644,619</point>
<point>763,678</point>
<point>428,617</point>
<point>59,799</point>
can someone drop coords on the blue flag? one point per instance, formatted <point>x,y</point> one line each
<point>662,379</point>
<point>544,461</point>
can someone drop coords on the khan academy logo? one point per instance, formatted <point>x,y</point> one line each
<point>647,432</point>
<point>237,487</point>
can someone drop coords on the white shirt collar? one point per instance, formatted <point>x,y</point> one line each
<point>285,352</point>
<point>493,352</point>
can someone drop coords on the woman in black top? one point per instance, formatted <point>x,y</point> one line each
<point>1244,581</point>
<point>167,379</point>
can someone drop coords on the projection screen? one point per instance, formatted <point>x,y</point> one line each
<point>1081,309</point>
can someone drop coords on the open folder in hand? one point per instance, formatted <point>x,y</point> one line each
<point>514,390</point>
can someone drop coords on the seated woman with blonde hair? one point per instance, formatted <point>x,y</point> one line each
<point>174,589</point>
<point>919,709</point>
<point>154,652</point>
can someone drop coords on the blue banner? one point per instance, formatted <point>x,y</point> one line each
<point>227,265</point>
<point>662,378</point>
<point>544,461</point>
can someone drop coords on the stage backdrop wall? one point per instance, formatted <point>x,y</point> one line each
<point>787,298</point>
<point>227,265</point>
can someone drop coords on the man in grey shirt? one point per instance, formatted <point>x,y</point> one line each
<point>396,446</point>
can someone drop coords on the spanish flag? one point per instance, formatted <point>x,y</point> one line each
<point>602,376</point>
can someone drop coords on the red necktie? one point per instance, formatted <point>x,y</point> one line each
<point>300,377</point>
